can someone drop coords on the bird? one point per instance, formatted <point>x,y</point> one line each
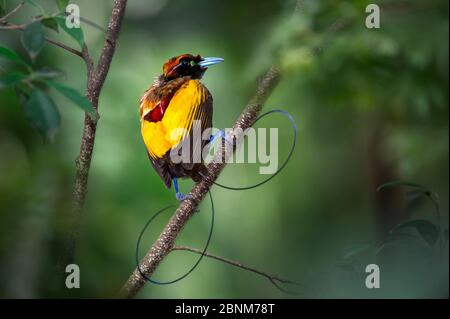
<point>175,104</point>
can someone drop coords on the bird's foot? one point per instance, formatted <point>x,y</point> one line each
<point>224,135</point>
<point>181,197</point>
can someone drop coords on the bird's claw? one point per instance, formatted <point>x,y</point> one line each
<point>180,196</point>
<point>224,135</point>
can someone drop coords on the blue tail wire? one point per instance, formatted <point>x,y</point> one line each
<point>208,240</point>
<point>288,158</point>
<point>175,184</point>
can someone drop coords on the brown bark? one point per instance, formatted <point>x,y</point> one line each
<point>380,169</point>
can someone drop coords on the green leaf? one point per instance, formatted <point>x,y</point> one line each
<point>11,79</point>
<point>62,4</point>
<point>33,39</point>
<point>42,113</point>
<point>34,4</point>
<point>427,230</point>
<point>2,10</point>
<point>51,23</point>
<point>47,73</point>
<point>355,250</point>
<point>415,195</point>
<point>75,33</point>
<point>346,266</point>
<point>12,56</point>
<point>419,190</point>
<point>76,97</point>
<point>402,184</point>
<point>31,2</point>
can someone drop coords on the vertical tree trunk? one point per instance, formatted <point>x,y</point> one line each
<point>381,168</point>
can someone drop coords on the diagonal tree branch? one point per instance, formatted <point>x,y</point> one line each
<point>166,240</point>
<point>275,280</point>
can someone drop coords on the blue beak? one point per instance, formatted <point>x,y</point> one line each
<point>209,61</point>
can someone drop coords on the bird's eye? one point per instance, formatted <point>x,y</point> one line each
<point>192,63</point>
<point>185,62</point>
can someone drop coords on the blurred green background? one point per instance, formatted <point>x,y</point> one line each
<point>371,106</point>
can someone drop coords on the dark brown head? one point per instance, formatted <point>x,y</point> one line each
<point>187,65</point>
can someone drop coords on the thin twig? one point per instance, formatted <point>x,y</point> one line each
<point>272,278</point>
<point>6,27</point>
<point>89,22</point>
<point>187,208</point>
<point>88,60</point>
<point>93,24</point>
<point>65,47</point>
<point>17,8</point>
<point>21,27</point>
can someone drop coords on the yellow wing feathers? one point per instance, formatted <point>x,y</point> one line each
<point>184,107</point>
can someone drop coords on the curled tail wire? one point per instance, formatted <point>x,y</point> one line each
<point>138,244</point>
<point>291,151</point>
